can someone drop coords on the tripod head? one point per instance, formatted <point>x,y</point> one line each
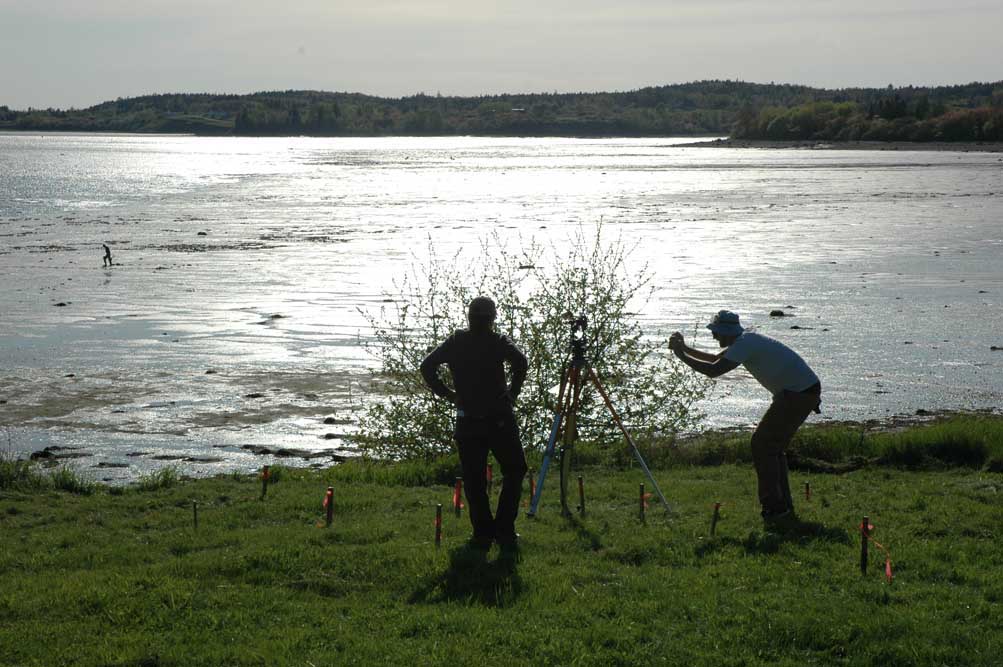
<point>578,326</point>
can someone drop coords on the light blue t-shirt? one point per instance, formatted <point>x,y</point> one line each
<point>776,366</point>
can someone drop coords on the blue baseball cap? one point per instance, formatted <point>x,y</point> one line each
<point>726,323</point>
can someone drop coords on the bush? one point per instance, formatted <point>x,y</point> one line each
<point>964,441</point>
<point>18,474</point>
<point>164,478</point>
<point>65,478</point>
<point>537,291</point>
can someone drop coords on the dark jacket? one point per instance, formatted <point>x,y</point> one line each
<point>476,361</point>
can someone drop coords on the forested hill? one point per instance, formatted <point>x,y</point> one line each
<point>748,110</point>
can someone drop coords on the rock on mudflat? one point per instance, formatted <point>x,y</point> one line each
<point>305,454</point>
<point>778,313</point>
<point>58,453</point>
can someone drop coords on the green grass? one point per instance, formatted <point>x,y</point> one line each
<point>126,579</point>
<point>974,441</point>
<point>23,475</point>
<point>163,478</point>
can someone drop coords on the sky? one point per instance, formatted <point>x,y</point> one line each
<point>76,53</point>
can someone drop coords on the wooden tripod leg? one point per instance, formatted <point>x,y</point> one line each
<point>630,441</point>
<point>570,434</point>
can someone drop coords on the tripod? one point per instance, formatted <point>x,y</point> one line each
<point>573,378</point>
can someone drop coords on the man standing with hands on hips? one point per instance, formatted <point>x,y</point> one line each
<point>796,393</point>
<point>485,421</point>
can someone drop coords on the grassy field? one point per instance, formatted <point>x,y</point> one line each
<point>94,576</point>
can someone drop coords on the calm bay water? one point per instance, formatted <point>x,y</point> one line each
<point>891,262</point>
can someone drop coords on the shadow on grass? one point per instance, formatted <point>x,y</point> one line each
<point>586,536</point>
<point>472,578</point>
<point>769,542</point>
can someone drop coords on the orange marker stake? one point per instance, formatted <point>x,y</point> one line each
<point>643,504</point>
<point>329,505</point>
<point>714,518</point>
<point>865,534</point>
<point>532,485</point>
<point>489,476</point>
<point>265,475</point>
<point>807,491</point>
<point>458,496</point>
<point>866,528</point>
<point>438,525</point>
<point>195,513</point>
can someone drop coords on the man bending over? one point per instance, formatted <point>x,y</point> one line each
<point>796,392</point>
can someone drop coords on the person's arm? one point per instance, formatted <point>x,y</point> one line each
<point>701,355</point>
<point>711,365</point>
<point>519,365</point>
<point>430,371</point>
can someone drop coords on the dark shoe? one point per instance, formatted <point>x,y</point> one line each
<point>776,516</point>
<point>480,543</point>
<point>782,520</point>
<point>508,540</point>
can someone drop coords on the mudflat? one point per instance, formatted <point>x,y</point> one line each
<point>964,147</point>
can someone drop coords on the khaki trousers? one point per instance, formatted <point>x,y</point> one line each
<point>769,443</point>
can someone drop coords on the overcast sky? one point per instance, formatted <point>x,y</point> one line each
<point>65,53</point>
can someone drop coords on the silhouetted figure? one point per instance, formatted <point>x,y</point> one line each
<point>485,420</point>
<point>796,393</point>
<point>107,255</point>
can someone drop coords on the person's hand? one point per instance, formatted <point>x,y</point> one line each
<point>676,342</point>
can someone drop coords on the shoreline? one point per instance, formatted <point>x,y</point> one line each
<point>698,140</point>
<point>52,457</point>
<point>937,146</point>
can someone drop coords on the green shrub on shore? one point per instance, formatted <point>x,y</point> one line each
<point>66,478</point>
<point>19,474</point>
<point>538,292</point>
<point>165,478</point>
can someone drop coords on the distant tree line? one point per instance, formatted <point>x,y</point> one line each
<point>744,110</point>
<point>893,119</point>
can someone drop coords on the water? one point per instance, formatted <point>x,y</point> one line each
<point>890,261</point>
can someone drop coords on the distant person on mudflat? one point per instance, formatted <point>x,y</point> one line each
<point>107,255</point>
<point>485,420</point>
<point>796,392</point>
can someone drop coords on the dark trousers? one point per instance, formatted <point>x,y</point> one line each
<point>769,442</point>
<point>476,436</point>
